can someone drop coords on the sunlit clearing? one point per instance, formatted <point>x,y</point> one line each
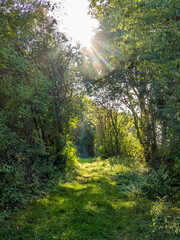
<point>76,22</point>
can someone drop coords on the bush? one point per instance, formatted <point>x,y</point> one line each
<point>70,156</point>
<point>26,170</point>
<point>158,184</point>
<point>165,221</point>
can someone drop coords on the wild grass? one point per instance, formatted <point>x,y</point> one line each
<point>104,201</point>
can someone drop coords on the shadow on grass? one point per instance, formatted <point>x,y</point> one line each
<point>96,210</point>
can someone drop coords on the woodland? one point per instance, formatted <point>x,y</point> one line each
<point>89,136</point>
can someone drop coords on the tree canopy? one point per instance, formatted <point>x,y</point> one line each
<point>119,97</point>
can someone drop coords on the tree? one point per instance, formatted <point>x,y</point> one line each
<point>143,51</point>
<point>38,99</point>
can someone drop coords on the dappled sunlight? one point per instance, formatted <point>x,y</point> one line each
<point>119,204</point>
<point>73,86</point>
<point>93,206</point>
<point>85,160</point>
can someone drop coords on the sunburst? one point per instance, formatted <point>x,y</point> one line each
<point>75,21</point>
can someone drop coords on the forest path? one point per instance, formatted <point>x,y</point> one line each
<point>97,205</point>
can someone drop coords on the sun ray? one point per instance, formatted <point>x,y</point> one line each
<point>100,64</point>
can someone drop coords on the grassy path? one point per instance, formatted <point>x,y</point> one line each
<point>101,203</point>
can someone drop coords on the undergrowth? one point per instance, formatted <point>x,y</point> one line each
<point>107,199</point>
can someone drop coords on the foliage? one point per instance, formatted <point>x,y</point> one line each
<point>132,113</point>
<point>165,221</point>
<point>91,205</point>
<point>159,184</point>
<point>84,134</point>
<point>38,100</point>
<point>113,130</point>
<point>139,41</point>
<point>108,197</point>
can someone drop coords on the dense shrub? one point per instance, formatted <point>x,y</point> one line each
<point>159,184</point>
<point>165,221</point>
<point>27,170</point>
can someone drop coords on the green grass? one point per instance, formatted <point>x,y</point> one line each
<point>86,160</point>
<point>103,202</point>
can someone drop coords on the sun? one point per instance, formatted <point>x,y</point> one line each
<point>75,21</point>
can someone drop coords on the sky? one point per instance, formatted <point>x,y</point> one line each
<point>75,21</point>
